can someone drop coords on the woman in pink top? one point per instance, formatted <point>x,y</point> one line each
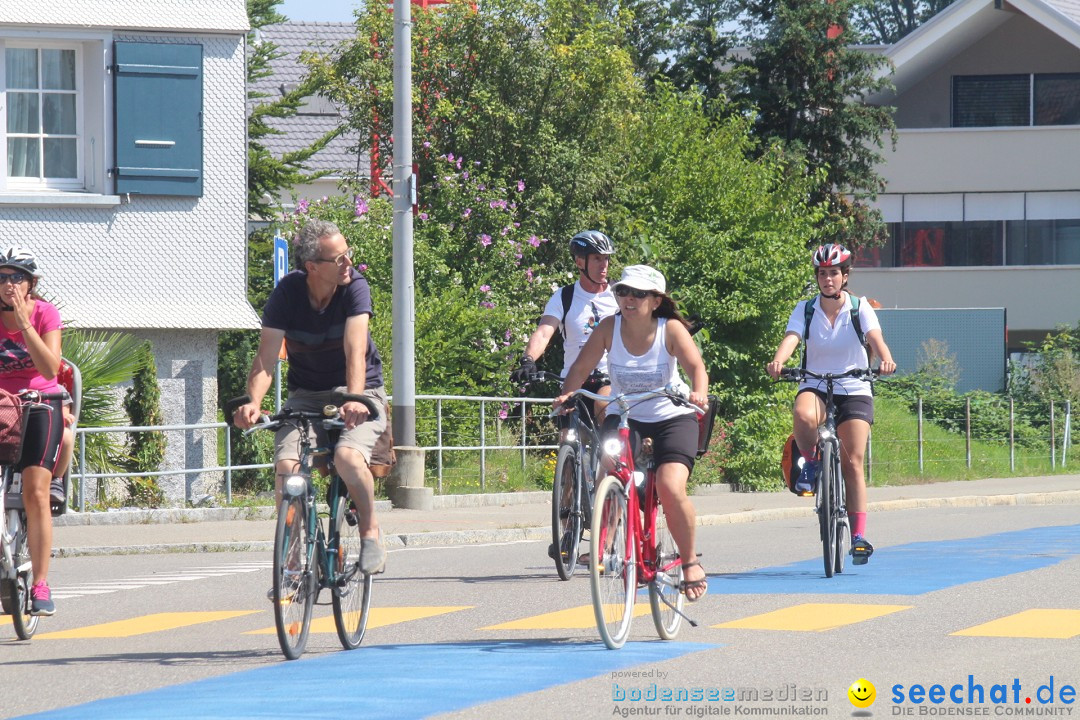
<point>30,359</point>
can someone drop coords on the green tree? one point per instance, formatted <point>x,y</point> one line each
<point>268,174</point>
<point>809,87</point>
<point>700,47</point>
<point>887,22</point>
<point>146,450</point>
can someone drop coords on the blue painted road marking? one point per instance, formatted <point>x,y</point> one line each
<point>382,681</point>
<point>915,568</point>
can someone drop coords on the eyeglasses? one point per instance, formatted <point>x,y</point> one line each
<point>13,278</point>
<point>341,260</point>
<point>623,291</point>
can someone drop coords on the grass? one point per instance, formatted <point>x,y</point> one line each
<point>503,471</point>
<point>896,460</point>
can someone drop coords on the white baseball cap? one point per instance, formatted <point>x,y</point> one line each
<point>643,277</point>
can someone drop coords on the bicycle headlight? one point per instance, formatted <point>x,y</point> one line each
<point>571,435</point>
<point>825,434</point>
<point>613,447</point>
<point>295,485</point>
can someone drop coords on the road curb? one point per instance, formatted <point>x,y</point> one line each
<point>445,538</point>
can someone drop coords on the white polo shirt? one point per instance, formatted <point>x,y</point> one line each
<point>586,311</point>
<point>835,348</point>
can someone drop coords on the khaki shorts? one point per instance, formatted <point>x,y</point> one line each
<point>361,438</point>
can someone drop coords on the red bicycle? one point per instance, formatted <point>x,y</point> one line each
<point>631,546</point>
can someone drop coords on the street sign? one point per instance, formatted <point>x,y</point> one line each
<point>281,258</point>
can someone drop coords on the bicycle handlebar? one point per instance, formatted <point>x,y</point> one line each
<point>623,400</point>
<point>799,374</point>
<point>328,420</point>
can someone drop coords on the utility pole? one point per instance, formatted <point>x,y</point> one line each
<point>404,188</point>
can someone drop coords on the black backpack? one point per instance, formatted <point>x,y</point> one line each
<point>855,323</point>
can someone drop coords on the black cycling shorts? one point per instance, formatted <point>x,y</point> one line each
<point>674,440</point>
<point>848,407</point>
<point>43,435</point>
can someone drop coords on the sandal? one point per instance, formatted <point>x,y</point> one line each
<point>702,584</point>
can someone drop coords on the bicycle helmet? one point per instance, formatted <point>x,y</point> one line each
<point>20,259</point>
<point>832,255</point>
<point>591,242</point>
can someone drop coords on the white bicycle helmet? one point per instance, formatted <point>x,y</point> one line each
<point>832,255</point>
<point>20,259</point>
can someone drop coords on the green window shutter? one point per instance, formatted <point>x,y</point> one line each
<point>158,118</point>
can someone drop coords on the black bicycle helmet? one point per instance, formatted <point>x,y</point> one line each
<point>591,242</point>
<point>20,259</point>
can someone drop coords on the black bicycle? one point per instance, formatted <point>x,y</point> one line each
<point>576,464</point>
<point>307,559</point>
<point>831,495</point>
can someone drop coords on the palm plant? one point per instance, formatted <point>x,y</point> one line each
<point>105,359</point>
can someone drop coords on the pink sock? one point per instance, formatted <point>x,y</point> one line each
<point>808,455</point>
<point>858,523</point>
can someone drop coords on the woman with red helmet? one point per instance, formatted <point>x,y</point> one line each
<point>833,345</point>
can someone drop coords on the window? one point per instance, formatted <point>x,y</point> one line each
<point>43,116</point>
<point>1016,100</point>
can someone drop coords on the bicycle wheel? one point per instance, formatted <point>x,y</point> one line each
<point>826,509</point>
<point>352,588</point>
<point>612,576</point>
<point>665,600</point>
<point>15,593</point>
<point>565,518</point>
<point>294,594</point>
<point>843,524</point>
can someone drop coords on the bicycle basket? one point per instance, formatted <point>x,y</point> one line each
<point>11,427</point>
<point>705,425</point>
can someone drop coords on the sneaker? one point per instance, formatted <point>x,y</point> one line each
<point>41,600</point>
<point>861,550</point>
<point>56,491</point>
<point>372,555</point>
<point>807,480</point>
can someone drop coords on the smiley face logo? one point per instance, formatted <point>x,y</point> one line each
<point>862,693</point>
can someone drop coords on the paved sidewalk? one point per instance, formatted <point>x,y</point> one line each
<point>498,518</point>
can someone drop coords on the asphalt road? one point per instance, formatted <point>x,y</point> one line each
<point>979,601</point>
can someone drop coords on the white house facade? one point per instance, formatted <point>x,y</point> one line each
<point>124,170</point>
<point>983,188</point>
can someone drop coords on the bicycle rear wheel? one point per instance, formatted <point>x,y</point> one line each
<point>15,593</point>
<point>352,588</point>
<point>565,517</point>
<point>826,509</point>
<point>294,594</point>
<point>665,600</point>
<point>612,575</point>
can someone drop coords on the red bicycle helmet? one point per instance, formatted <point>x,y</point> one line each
<point>832,255</point>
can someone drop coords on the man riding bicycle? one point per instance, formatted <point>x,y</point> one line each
<point>322,311</point>
<point>575,310</point>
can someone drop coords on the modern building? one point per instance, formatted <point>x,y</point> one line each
<point>983,189</point>
<point>123,167</point>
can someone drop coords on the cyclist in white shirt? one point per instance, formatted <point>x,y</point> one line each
<point>575,311</point>
<point>646,344</point>
<point>834,347</point>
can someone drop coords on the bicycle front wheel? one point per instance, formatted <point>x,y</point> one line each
<point>566,512</point>
<point>352,588</point>
<point>665,600</point>
<point>15,593</point>
<point>826,509</point>
<point>294,593</point>
<point>612,573</point>
<point>843,523</point>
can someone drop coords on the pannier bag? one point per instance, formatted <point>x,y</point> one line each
<point>705,425</point>
<point>11,427</point>
<point>791,462</point>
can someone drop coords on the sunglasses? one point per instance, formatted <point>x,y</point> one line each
<point>13,278</point>
<point>623,291</point>
<point>341,260</point>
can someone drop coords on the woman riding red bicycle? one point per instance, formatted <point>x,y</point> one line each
<point>643,342</point>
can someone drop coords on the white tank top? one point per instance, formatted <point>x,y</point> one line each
<point>640,373</point>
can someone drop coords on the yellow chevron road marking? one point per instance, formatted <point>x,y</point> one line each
<point>1037,623</point>
<point>157,622</point>
<point>378,617</point>
<point>570,619</point>
<point>813,617</point>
